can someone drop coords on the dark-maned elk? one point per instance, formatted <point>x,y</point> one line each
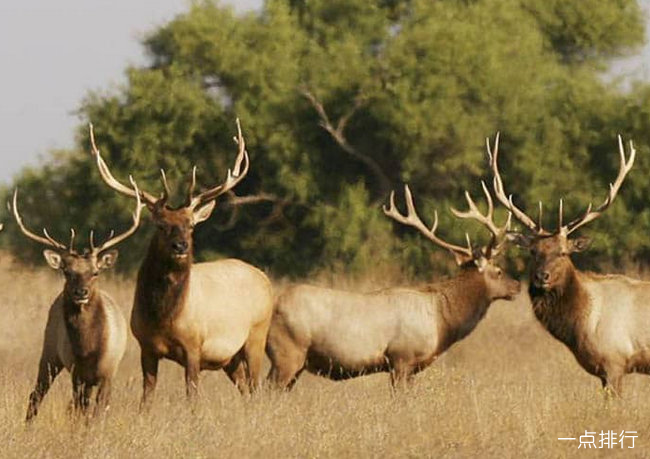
<point>203,316</point>
<point>602,319</point>
<point>86,331</point>
<point>340,334</point>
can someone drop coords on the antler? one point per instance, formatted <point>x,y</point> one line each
<point>412,219</point>
<point>111,181</point>
<point>591,215</point>
<point>232,179</point>
<point>47,240</point>
<point>499,191</point>
<point>114,240</point>
<point>487,219</point>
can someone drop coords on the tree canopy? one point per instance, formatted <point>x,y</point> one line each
<point>343,100</point>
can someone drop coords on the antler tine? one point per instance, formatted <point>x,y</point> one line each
<point>190,190</point>
<point>72,236</point>
<point>108,177</point>
<point>166,191</point>
<point>473,212</point>
<point>624,168</point>
<point>412,219</point>
<point>114,240</point>
<point>560,215</point>
<point>234,176</point>
<point>47,240</point>
<point>499,190</point>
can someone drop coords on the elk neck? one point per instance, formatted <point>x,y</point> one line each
<point>85,324</point>
<point>561,308</point>
<point>163,282</point>
<point>463,301</point>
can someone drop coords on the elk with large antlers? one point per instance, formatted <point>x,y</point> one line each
<point>212,315</point>
<point>602,319</point>
<point>340,334</point>
<point>86,331</point>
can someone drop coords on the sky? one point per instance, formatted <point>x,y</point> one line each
<point>54,52</point>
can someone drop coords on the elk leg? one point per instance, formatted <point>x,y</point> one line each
<point>192,370</point>
<point>401,373</point>
<point>103,396</point>
<point>613,383</point>
<point>47,371</point>
<point>286,366</point>
<point>254,353</point>
<point>81,393</point>
<point>149,364</point>
<point>236,371</point>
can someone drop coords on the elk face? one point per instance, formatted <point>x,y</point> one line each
<point>175,228</point>
<point>498,284</point>
<point>80,271</point>
<point>550,263</point>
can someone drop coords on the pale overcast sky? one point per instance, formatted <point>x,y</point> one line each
<point>54,52</point>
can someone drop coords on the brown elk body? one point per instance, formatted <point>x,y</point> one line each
<point>340,334</point>
<point>602,319</point>
<point>212,315</point>
<point>86,331</point>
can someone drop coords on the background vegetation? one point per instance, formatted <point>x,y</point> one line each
<point>343,100</point>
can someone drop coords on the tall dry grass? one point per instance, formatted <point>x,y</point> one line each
<point>508,390</point>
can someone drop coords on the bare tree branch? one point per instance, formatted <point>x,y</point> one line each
<point>338,135</point>
<point>235,202</point>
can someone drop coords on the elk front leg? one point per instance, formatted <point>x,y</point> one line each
<point>81,394</point>
<point>47,371</point>
<point>103,396</point>
<point>149,363</point>
<point>192,370</point>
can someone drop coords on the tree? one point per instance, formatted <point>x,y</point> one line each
<point>342,100</point>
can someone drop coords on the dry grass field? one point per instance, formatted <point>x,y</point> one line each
<point>508,390</point>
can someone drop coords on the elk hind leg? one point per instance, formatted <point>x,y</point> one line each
<point>237,372</point>
<point>287,362</point>
<point>48,369</point>
<point>254,353</point>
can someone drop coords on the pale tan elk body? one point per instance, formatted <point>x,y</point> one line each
<point>212,315</point>
<point>602,319</point>
<point>340,334</point>
<point>85,331</point>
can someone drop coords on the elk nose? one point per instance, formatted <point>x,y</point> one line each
<point>179,246</point>
<point>542,276</point>
<point>81,292</point>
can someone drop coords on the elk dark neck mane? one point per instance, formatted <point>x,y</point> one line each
<point>163,283</point>
<point>463,301</point>
<point>84,324</point>
<point>561,309</point>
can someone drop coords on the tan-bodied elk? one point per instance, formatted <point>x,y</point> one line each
<point>340,334</point>
<point>212,315</point>
<point>602,319</point>
<point>86,330</point>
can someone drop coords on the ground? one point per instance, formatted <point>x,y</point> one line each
<point>508,390</point>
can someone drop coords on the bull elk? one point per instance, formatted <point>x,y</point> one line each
<point>602,319</point>
<point>211,315</point>
<point>340,334</point>
<point>86,331</point>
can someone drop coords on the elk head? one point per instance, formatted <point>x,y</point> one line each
<point>80,269</point>
<point>551,264</point>
<point>498,284</point>
<point>175,226</point>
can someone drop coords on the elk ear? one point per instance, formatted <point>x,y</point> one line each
<point>204,212</point>
<point>520,240</point>
<point>579,244</point>
<point>53,258</point>
<point>461,259</point>
<point>107,259</point>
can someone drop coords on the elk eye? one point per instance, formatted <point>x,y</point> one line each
<point>96,273</point>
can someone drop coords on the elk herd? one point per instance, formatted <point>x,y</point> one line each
<point>225,315</point>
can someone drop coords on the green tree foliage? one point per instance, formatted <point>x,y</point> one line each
<point>342,100</point>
